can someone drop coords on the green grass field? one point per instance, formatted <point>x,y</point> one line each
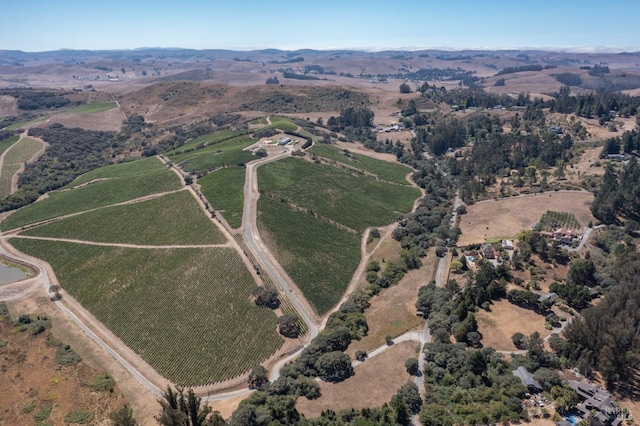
<point>22,151</point>
<point>6,175</point>
<point>6,143</point>
<point>261,120</point>
<point>130,184</point>
<point>159,221</point>
<point>130,168</point>
<point>185,311</point>
<point>354,201</point>
<point>229,152</point>
<point>392,172</point>
<point>282,123</point>
<point>318,256</point>
<point>211,139</point>
<point>224,190</point>
<point>93,108</point>
<point>24,123</point>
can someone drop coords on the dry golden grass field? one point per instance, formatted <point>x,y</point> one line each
<point>375,381</point>
<point>505,218</point>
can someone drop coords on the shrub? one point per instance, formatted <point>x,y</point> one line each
<point>66,356</point>
<point>79,416</point>
<point>29,406</point>
<point>103,382</point>
<point>42,414</point>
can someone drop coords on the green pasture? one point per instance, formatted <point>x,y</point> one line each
<point>283,123</point>
<point>22,151</point>
<point>6,176</point>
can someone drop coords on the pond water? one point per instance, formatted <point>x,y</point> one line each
<point>10,275</point>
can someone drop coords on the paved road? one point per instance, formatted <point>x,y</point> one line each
<point>426,334</point>
<point>585,237</point>
<point>255,245</point>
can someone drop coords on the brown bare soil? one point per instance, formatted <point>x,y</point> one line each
<point>505,218</point>
<point>375,381</point>
<point>142,401</point>
<point>31,376</point>
<point>8,105</point>
<point>227,406</point>
<point>110,120</point>
<point>506,319</point>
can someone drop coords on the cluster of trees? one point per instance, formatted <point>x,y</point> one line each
<point>179,409</point>
<point>597,104</point>
<point>532,242</point>
<point>71,152</point>
<point>351,117</point>
<point>599,70</point>
<point>272,80</point>
<point>30,100</point>
<point>496,154</point>
<point>606,337</point>
<point>521,68</point>
<point>428,225</point>
<point>473,97</point>
<point>444,135</point>
<point>294,75</point>
<point>629,143</point>
<point>569,79</point>
<point>469,387</point>
<point>619,195</point>
<point>434,74</point>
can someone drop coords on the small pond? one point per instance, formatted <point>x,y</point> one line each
<point>10,275</point>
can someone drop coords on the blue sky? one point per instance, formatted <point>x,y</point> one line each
<point>40,25</point>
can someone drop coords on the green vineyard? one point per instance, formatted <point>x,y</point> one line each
<point>187,312</point>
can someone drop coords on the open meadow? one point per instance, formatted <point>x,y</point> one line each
<point>375,381</point>
<point>158,221</point>
<point>223,189</point>
<point>109,185</point>
<point>190,305</point>
<point>504,320</point>
<point>506,217</point>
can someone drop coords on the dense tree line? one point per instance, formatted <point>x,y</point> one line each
<point>71,152</point>
<point>606,337</point>
<point>469,387</point>
<point>596,104</point>
<point>30,100</point>
<point>496,154</point>
<point>619,195</point>
<point>521,68</point>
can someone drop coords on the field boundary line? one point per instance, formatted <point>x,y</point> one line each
<point>124,245</point>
